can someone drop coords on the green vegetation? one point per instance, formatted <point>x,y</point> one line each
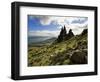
<point>67,52</point>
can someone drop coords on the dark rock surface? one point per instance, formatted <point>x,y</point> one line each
<point>79,57</point>
<point>64,35</point>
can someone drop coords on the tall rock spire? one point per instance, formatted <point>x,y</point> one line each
<point>70,34</point>
<point>63,34</point>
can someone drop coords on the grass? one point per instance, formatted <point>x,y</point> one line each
<point>54,54</point>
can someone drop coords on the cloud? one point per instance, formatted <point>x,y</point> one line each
<point>45,20</point>
<point>78,30</point>
<point>44,33</point>
<point>77,24</point>
<point>60,20</point>
<point>80,20</point>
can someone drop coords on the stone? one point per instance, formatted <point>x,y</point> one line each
<point>79,57</point>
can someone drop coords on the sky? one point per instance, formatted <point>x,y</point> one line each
<point>45,25</point>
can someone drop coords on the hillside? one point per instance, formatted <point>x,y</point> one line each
<point>43,43</point>
<point>72,50</point>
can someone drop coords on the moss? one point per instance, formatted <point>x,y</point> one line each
<point>66,62</point>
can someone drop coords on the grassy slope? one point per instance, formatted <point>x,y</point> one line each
<point>55,54</point>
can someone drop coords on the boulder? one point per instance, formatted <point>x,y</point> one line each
<point>79,57</point>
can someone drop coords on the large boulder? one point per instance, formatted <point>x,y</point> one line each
<point>79,57</point>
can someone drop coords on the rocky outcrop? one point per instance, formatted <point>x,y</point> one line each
<point>79,57</point>
<point>70,34</point>
<point>84,32</point>
<point>64,35</point>
<point>77,54</point>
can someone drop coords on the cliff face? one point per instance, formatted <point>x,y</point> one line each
<point>64,35</point>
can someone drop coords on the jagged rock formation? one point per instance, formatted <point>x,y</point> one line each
<point>63,34</point>
<point>84,32</point>
<point>70,34</point>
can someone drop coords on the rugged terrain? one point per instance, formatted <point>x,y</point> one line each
<point>67,49</point>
